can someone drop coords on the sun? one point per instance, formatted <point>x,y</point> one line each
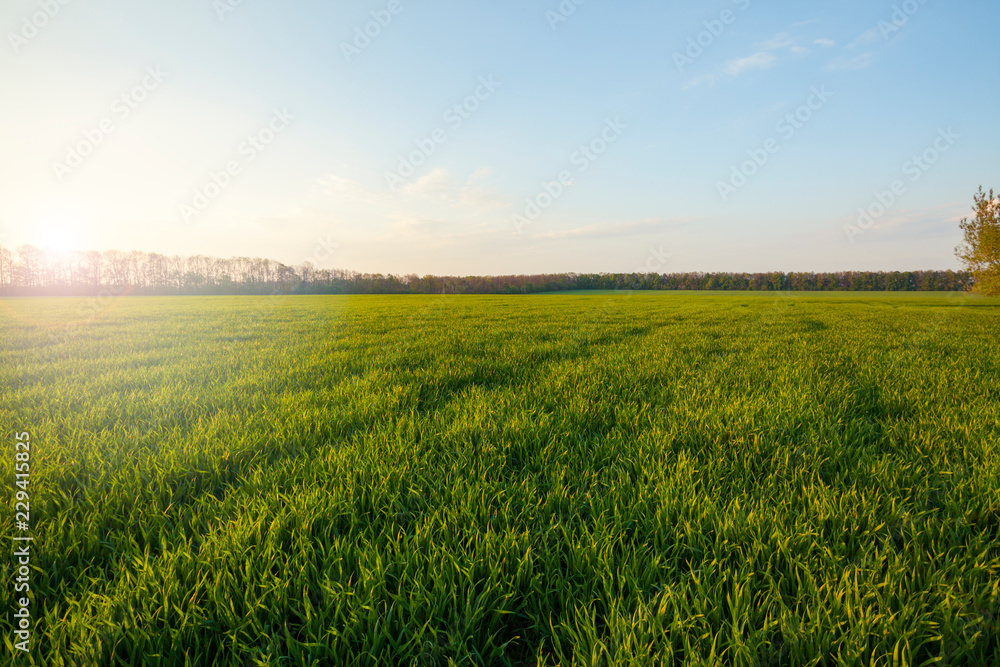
<point>60,238</point>
<point>58,231</point>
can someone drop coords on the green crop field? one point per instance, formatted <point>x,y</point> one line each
<point>609,479</point>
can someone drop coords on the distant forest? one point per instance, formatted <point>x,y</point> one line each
<point>32,272</point>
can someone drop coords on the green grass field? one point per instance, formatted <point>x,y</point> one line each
<point>612,479</point>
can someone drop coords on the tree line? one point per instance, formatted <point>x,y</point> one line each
<point>31,271</point>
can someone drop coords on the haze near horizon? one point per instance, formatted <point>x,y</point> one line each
<point>489,138</point>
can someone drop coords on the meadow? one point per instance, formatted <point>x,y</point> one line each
<point>587,479</point>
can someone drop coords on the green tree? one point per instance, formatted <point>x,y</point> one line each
<point>980,251</point>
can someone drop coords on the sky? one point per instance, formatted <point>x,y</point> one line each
<point>501,137</point>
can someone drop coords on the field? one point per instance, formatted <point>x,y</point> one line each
<point>610,479</point>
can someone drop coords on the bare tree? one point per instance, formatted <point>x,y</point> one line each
<point>118,267</point>
<point>176,271</point>
<point>29,269</point>
<point>6,268</point>
<point>137,268</point>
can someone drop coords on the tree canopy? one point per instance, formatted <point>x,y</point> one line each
<point>980,251</point>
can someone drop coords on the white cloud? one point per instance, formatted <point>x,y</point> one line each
<point>759,60</point>
<point>825,42</point>
<point>779,41</point>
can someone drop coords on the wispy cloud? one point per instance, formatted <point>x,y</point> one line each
<point>778,41</point>
<point>440,186</point>
<point>436,210</point>
<point>413,225</point>
<point>855,54</point>
<point>867,37</point>
<point>852,62</point>
<point>436,187</point>
<point>764,57</point>
<point>940,220</point>
<point>759,60</point>
<point>612,229</point>
<point>436,183</point>
<point>710,79</point>
<point>342,188</point>
<point>735,67</point>
<point>476,194</point>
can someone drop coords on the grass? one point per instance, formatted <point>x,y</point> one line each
<point>696,479</point>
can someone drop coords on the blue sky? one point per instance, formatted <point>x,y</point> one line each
<point>592,137</point>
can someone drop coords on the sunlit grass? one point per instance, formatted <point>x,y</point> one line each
<point>610,479</point>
